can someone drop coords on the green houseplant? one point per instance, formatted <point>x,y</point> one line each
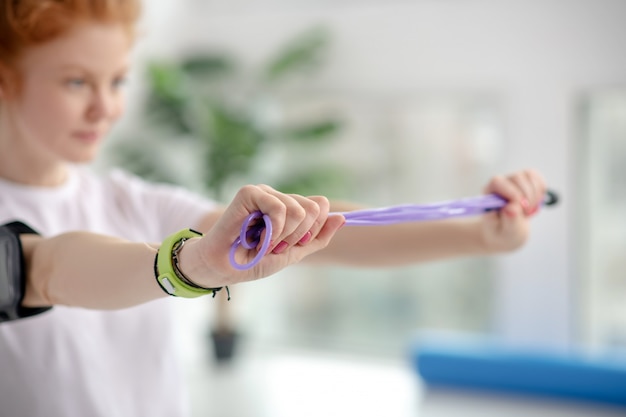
<point>204,103</point>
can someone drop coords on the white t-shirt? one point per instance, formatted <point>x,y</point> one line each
<point>74,362</point>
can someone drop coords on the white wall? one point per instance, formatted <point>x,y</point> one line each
<point>540,56</point>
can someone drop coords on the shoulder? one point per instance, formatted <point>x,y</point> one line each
<point>122,178</point>
<point>136,186</point>
<point>120,182</point>
<point>158,203</point>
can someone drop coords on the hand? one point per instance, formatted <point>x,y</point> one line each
<point>301,226</point>
<point>507,229</point>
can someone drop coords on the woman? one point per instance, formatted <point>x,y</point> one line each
<point>62,67</point>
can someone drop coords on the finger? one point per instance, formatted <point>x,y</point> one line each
<point>526,190</point>
<point>324,207</point>
<point>300,217</point>
<point>539,186</point>
<point>333,223</point>
<point>511,212</point>
<point>534,189</point>
<point>291,217</point>
<point>286,212</point>
<point>504,188</point>
<point>515,189</point>
<point>251,198</point>
<point>296,253</point>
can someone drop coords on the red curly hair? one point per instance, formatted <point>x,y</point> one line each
<point>26,23</point>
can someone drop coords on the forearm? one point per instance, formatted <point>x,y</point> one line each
<point>401,244</point>
<point>491,233</point>
<point>89,270</point>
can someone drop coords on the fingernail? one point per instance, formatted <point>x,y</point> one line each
<point>306,238</point>
<point>528,210</point>
<point>524,203</point>
<point>534,210</point>
<point>280,247</point>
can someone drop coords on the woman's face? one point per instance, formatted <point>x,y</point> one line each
<point>70,94</point>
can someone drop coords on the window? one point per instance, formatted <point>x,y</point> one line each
<point>603,204</point>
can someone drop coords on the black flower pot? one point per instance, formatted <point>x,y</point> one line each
<point>224,344</point>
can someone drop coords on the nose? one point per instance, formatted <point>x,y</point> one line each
<point>105,104</point>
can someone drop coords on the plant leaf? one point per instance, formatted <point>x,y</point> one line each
<point>208,66</point>
<point>313,132</point>
<point>304,52</point>
<point>232,144</point>
<point>324,180</point>
<point>167,97</point>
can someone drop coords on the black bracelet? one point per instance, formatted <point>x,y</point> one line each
<point>180,274</point>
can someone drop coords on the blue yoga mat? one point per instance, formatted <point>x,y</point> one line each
<point>494,366</point>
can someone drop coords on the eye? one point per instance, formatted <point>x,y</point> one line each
<point>119,83</point>
<point>75,83</point>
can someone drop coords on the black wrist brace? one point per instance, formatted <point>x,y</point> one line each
<point>13,273</point>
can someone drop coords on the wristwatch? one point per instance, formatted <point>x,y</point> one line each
<point>169,276</point>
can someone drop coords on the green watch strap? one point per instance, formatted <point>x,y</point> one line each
<point>167,277</point>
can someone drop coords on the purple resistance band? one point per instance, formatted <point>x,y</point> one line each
<point>252,227</point>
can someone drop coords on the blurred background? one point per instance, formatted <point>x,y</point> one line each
<point>387,103</point>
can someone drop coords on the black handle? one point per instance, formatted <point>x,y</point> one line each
<point>551,198</point>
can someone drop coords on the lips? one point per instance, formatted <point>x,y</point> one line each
<point>87,136</point>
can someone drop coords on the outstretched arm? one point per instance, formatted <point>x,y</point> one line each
<point>103,272</point>
<point>497,232</point>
